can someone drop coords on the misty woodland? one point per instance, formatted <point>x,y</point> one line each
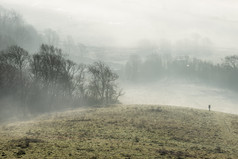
<point>48,79</point>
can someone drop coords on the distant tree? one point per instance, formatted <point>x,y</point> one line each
<point>69,45</point>
<point>152,67</point>
<point>53,73</point>
<point>51,37</point>
<point>47,64</point>
<point>133,68</point>
<point>231,61</point>
<point>102,85</point>
<point>13,76</point>
<point>9,77</point>
<point>82,49</point>
<point>80,84</point>
<point>15,56</point>
<point>230,71</point>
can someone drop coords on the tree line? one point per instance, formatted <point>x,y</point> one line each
<point>157,66</point>
<point>48,80</point>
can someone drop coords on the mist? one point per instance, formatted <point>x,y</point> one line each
<point>182,94</point>
<point>125,23</point>
<point>118,79</point>
<point>162,52</point>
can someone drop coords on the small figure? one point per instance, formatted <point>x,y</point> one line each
<point>209,107</point>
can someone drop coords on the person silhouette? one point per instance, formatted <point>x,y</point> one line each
<point>209,107</point>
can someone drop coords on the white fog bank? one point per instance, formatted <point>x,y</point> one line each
<point>181,94</point>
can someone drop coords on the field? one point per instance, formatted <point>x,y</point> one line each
<point>123,131</point>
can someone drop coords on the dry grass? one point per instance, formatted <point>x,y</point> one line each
<point>134,131</point>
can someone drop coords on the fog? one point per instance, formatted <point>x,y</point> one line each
<point>182,93</point>
<point>126,22</point>
<point>163,52</point>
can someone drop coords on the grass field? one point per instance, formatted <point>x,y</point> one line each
<point>123,131</point>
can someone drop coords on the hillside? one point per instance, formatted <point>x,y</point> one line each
<point>132,131</point>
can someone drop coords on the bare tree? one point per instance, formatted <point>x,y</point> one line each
<point>53,74</point>
<point>102,86</point>
<point>13,76</point>
<point>80,87</point>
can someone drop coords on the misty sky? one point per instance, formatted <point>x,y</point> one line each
<point>126,22</point>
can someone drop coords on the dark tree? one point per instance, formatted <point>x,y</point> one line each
<point>13,63</point>
<point>102,85</point>
<point>53,74</point>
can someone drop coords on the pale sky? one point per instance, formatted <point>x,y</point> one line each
<point>125,22</point>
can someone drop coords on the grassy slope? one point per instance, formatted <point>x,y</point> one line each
<point>123,132</point>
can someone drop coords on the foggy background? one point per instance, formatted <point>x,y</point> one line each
<point>183,94</point>
<point>165,51</point>
<point>126,22</point>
